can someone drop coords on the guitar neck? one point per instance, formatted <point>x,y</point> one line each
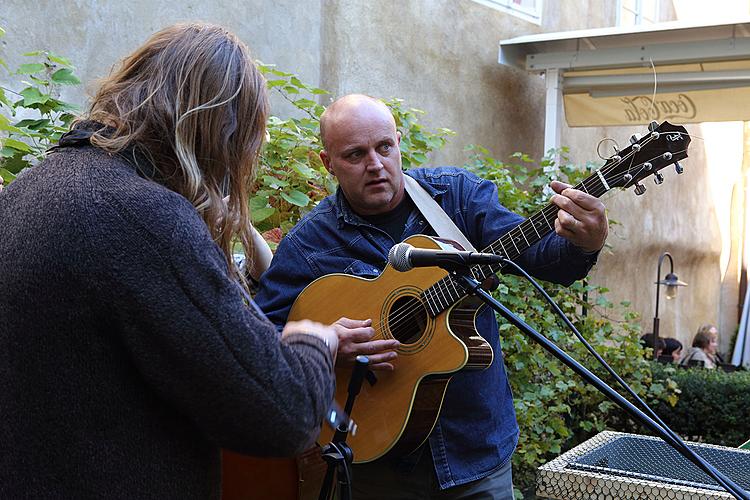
<point>511,245</point>
<point>664,145</point>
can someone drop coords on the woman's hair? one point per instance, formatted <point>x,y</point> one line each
<point>703,338</point>
<point>671,345</point>
<point>192,102</point>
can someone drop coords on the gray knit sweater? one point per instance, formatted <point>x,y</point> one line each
<point>127,356</point>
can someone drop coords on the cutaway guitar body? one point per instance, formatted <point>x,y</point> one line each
<point>399,410</point>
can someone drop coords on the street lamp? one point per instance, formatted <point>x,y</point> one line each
<point>671,282</point>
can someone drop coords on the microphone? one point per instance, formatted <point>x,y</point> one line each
<point>404,257</point>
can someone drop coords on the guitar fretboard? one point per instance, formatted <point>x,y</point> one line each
<point>447,291</point>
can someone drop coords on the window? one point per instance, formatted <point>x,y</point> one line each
<point>530,10</point>
<point>637,12</point>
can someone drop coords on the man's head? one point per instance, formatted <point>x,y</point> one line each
<point>361,149</point>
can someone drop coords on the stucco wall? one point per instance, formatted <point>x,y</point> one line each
<point>94,34</point>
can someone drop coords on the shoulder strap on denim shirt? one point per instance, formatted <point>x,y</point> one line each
<point>435,215</point>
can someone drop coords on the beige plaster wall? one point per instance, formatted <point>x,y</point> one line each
<point>94,34</point>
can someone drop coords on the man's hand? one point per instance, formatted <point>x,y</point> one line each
<point>355,339</point>
<point>581,218</point>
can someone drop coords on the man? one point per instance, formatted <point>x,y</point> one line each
<point>352,231</point>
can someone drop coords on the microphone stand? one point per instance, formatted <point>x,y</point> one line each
<point>337,454</point>
<point>474,287</point>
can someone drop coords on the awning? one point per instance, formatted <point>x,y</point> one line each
<point>606,76</point>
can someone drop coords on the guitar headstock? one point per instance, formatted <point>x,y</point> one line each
<point>664,145</point>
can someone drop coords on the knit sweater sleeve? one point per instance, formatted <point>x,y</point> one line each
<point>196,342</point>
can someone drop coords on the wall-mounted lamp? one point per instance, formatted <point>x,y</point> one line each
<point>672,284</point>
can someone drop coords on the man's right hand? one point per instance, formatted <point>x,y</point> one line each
<point>355,339</point>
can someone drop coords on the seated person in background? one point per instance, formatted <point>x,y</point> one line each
<point>647,341</point>
<point>704,348</point>
<point>672,350</point>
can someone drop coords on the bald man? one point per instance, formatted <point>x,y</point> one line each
<point>468,453</point>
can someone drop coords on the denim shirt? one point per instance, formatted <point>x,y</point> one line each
<point>476,432</point>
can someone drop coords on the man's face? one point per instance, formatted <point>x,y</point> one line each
<point>362,153</point>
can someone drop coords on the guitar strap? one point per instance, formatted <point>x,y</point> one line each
<point>435,215</point>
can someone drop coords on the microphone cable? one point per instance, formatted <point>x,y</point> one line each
<point>676,439</point>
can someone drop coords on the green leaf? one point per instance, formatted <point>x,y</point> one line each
<point>274,182</point>
<point>6,126</point>
<point>304,103</point>
<point>59,60</point>
<point>17,145</point>
<point>65,76</point>
<point>258,203</point>
<point>303,170</point>
<point>34,124</point>
<point>2,32</point>
<point>7,176</point>
<point>296,198</point>
<point>262,214</point>
<point>32,96</point>
<point>30,68</point>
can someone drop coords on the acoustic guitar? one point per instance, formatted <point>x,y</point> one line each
<point>430,314</point>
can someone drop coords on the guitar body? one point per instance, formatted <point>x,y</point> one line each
<point>398,411</point>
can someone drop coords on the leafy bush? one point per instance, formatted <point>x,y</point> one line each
<point>556,410</point>
<point>32,117</point>
<point>714,406</point>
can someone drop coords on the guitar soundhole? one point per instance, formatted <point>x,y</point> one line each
<point>407,319</point>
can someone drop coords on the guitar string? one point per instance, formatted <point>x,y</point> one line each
<point>403,315</point>
<point>404,318</point>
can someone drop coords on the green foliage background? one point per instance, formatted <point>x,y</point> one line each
<point>32,116</point>
<point>714,406</point>
<point>555,410</point>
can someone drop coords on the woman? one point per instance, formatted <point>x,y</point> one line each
<point>131,351</point>
<point>672,350</point>
<point>705,343</point>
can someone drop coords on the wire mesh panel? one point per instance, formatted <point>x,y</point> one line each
<point>614,465</point>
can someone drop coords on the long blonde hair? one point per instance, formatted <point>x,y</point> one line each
<point>192,101</point>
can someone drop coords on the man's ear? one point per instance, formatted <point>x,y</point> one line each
<point>398,138</point>
<point>326,162</point>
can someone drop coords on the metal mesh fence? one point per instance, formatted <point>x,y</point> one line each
<point>627,466</point>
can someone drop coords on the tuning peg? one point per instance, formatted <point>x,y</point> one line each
<point>653,126</point>
<point>658,178</point>
<point>639,188</point>
<point>634,138</point>
<point>678,168</point>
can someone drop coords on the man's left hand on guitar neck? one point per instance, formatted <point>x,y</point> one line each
<point>581,218</point>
